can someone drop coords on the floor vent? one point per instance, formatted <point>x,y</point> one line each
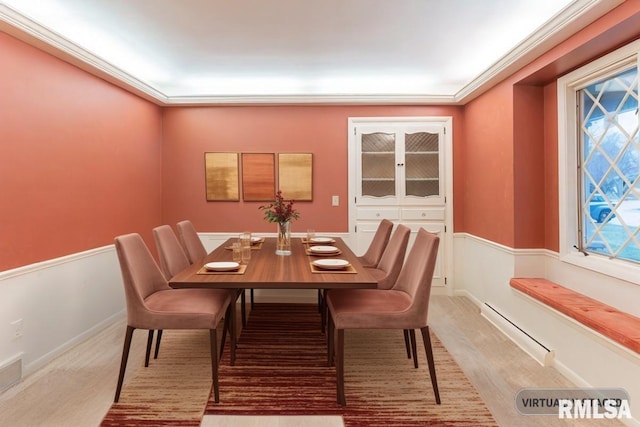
<point>526,342</point>
<point>10,373</point>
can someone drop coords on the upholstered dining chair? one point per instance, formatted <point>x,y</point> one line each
<point>404,307</point>
<point>374,252</point>
<point>370,259</point>
<point>190,241</point>
<point>196,251</point>
<point>153,304</point>
<point>388,268</point>
<point>173,260</point>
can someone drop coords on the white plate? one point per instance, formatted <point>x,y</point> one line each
<point>222,266</point>
<point>255,240</point>
<point>321,240</point>
<point>331,264</point>
<point>323,249</point>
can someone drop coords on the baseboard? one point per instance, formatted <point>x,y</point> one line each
<point>521,338</point>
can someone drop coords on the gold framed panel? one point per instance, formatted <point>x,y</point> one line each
<point>222,177</point>
<point>295,175</point>
<point>258,176</point>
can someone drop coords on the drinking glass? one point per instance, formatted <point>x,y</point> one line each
<point>311,234</point>
<point>237,252</point>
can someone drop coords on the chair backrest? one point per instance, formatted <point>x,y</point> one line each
<point>393,257</point>
<point>371,257</point>
<point>172,257</point>
<point>417,273</point>
<point>191,243</point>
<point>140,274</point>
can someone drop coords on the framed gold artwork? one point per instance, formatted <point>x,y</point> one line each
<point>295,176</point>
<point>221,176</point>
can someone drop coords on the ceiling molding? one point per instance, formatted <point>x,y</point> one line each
<point>569,21</point>
<point>566,23</point>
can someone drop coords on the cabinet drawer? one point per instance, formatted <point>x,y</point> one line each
<point>378,214</point>
<point>423,214</point>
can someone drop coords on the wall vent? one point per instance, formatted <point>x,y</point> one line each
<point>10,373</point>
<point>525,341</point>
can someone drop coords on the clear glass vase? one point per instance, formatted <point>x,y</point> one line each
<point>283,245</point>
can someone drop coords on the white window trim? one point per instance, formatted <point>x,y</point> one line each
<point>567,164</point>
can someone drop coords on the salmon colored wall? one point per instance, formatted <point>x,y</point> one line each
<point>79,158</point>
<point>551,199</point>
<point>529,161</point>
<point>503,205</point>
<point>189,132</point>
<point>487,199</point>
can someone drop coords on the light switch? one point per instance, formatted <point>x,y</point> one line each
<point>335,200</point>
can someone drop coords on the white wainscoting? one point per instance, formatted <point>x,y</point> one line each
<point>61,302</point>
<point>587,358</point>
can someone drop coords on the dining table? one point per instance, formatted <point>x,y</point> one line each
<point>267,270</point>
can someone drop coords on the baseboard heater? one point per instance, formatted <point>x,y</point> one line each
<point>10,373</point>
<point>525,341</point>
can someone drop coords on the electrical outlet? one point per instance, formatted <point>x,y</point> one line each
<point>17,328</point>
<point>335,200</point>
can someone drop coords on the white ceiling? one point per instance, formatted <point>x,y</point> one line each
<point>244,51</point>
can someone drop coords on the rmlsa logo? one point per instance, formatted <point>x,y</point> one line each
<point>594,408</point>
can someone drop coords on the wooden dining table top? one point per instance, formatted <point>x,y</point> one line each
<point>266,270</point>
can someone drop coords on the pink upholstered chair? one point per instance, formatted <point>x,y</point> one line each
<point>388,268</point>
<point>153,304</point>
<point>195,251</point>
<point>404,307</point>
<point>190,241</point>
<point>372,256</point>
<point>370,259</point>
<point>173,260</point>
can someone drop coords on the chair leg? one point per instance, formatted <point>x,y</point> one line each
<point>225,328</point>
<point>322,308</point>
<point>340,367</point>
<point>213,337</point>
<point>414,350</point>
<point>407,344</point>
<point>243,308</point>
<point>149,341</point>
<point>330,343</point>
<point>123,362</point>
<point>251,299</point>
<point>232,333</point>
<point>158,339</point>
<point>432,367</point>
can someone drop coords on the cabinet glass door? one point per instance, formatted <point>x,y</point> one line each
<point>378,152</point>
<point>422,164</point>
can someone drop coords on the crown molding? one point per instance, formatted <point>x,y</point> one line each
<point>563,25</point>
<point>574,17</point>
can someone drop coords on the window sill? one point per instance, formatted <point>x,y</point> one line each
<point>610,267</point>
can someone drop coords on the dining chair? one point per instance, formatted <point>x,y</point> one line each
<point>404,306</point>
<point>195,251</point>
<point>152,304</point>
<point>374,252</point>
<point>388,268</point>
<point>371,259</point>
<point>173,260</point>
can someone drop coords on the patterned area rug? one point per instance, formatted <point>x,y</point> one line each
<point>281,369</point>
<point>173,390</point>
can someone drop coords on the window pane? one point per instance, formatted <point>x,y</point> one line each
<point>422,168</point>
<point>610,159</point>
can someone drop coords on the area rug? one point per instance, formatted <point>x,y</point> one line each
<point>281,369</point>
<point>173,390</point>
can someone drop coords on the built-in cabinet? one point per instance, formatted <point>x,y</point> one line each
<point>398,171</point>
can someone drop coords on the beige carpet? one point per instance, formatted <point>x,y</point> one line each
<point>173,390</point>
<point>281,369</point>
